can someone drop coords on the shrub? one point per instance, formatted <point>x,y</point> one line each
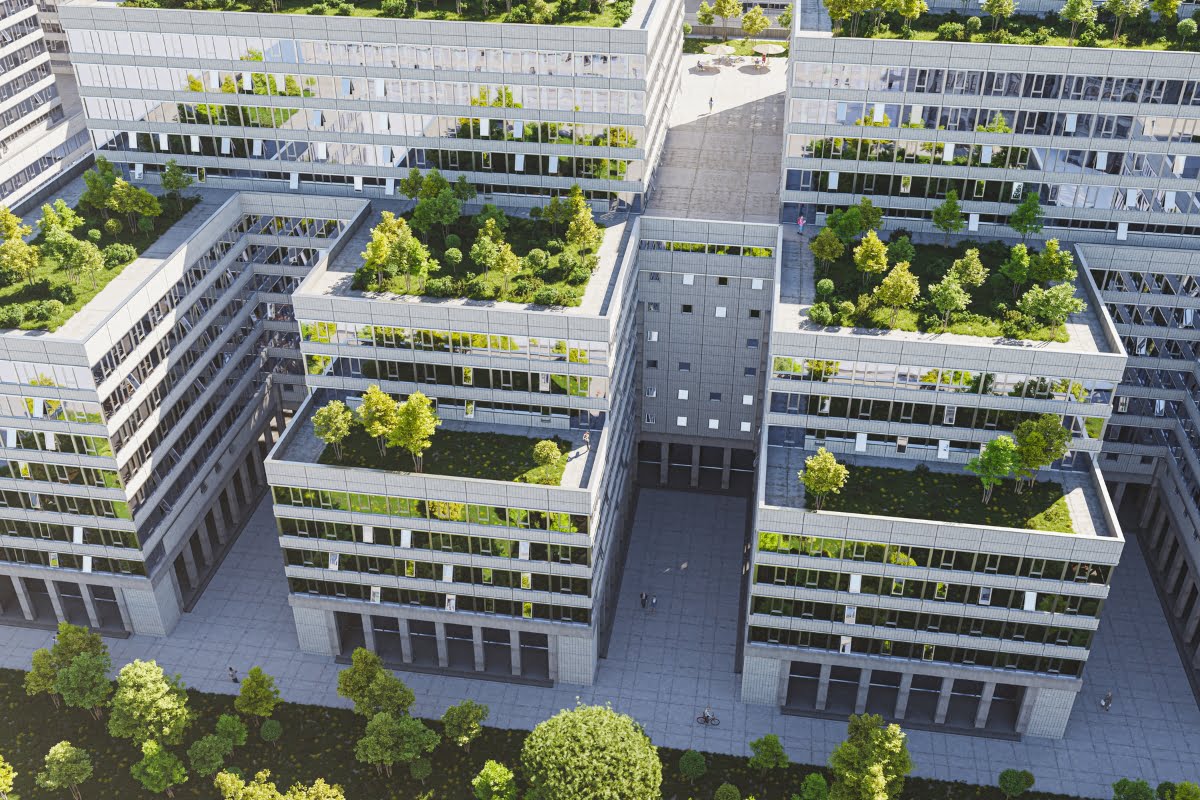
<point>113,227</point>
<point>727,791</point>
<point>393,8</point>
<point>1186,29</point>
<point>536,260</point>
<point>1015,782</point>
<point>814,787</point>
<point>1041,35</point>
<point>692,766</point>
<point>12,316</point>
<point>568,262</point>
<point>951,32</point>
<point>546,452</point>
<point>42,310</point>
<point>578,276</point>
<point>452,256</point>
<point>118,255</point>
<point>554,296</point>
<point>270,730</point>
<point>845,314</point>
<point>820,314</point>
<point>453,240</point>
<point>63,293</point>
<point>440,287</point>
<point>94,235</point>
<point>825,287</point>
<point>519,14</point>
<point>554,245</point>
<point>622,10</point>
<point>974,25</point>
<point>344,10</point>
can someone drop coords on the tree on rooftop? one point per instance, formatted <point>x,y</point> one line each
<point>705,14</point>
<point>846,223</point>
<point>871,763</point>
<point>1000,11</point>
<point>174,180</point>
<point>826,247</point>
<point>84,258</point>
<point>1167,10</point>
<point>1027,217</point>
<point>1052,264</point>
<point>442,209</point>
<point>433,184</point>
<point>582,231</point>
<point>410,184</point>
<point>948,216</point>
<point>692,766</point>
<point>507,264</point>
<point>909,10</point>
<point>823,475</point>
<point>1078,12</point>
<point>41,675</point>
<point>870,256</point>
<point>67,766</point>
<point>319,790</point>
<point>869,214</point>
<point>331,424</point>
<point>1122,10</point>
<point>100,181</point>
<point>207,754</point>
<point>17,257</point>
<point>390,739</point>
<point>1051,306</point>
<point>133,202</point>
<point>754,22</point>
<point>546,452</point>
<point>378,414</point>
<point>948,296</point>
<point>901,250</point>
<point>463,189</point>
<point>784,20</point>
<point>416,422</point>
<point>994,463</point>
<point>58,215</point>
<point>969,270</point>
<point>1016,267</point>
<point>726,9</point>
<point>898,289</point>
<point>1186,29</point>
<point>1040,442</point>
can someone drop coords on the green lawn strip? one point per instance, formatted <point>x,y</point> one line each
<point>741,47</point>
<point>929,265</point>
<point>947,497</point>
<point>50,271</point>
<point>461,454</point>
<point>439,10</point>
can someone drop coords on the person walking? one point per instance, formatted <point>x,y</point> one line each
<point>233,675</point>
<point>653,603</point>
<point>643,599</point>
<point>1106,703</point>
<point>587,440</point>
<point>710,105</point>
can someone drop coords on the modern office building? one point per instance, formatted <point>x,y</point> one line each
<point>135,432</point>
<point>341,105</point>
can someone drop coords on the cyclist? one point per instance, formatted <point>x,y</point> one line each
<point>708,714</point>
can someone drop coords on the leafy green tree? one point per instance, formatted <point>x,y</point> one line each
<point>1051,306</point>
<point>381,258</point>
<point>495,782</point>
<point>1040,442</point>
<point>84,682</point>
<point>99,181</point>
<point>1126,789</point>
<point>871,763</point>
<point>705,14</point>
<point>1166,9</point>
<point>17,257</point>
<point>1016,268</point>
<point>1015,782</point>
<point>1027,217</point>
<point>947,297</point>
<point>58,216</point>
<point>898,289</point>
<point>391,739</point>
<point>354,682</point>
<point>7,776</point>
<point>901,250</point>
<point>1165,790</point>
<point>1000,11</point>
<point>207,754</point>
<point>826,247</point>
<point>767,753</point>
<point>948,216</point>
<point>846,223</point>
<point>582,231</point>
<point>870,257</point>
<point>1078,12</point>
<point>909,10</point>
<point>994,463</point>
<point>727,791</point>
<point>258,696</point>
<point>331,424</point>
<point>67,766</point>
<point>823,475</point>
<point>462,723</point>
<point>174,180</point>
<point>1186,29</point>
<point>86,259</point>
<point>969,270</point>
<point>420,769</point>
<point>42,675</point>
<point>320,790</point>
<point>379,414</point>
<point>507,264</point>
<point>233,787</point>
<point>814,787</point>
<point>442,209</point>
<point>148,705</point>
<point>1186,790</point>
<point>784,20</point>
<point>464,190</point>
<point>232,729</point>
<point>270,731</point>
<point>1122,10</point>
<point>416,422</point>
<point>1052,264</point>
<point>754,22</point>
<point>546,452</point>
<point>725,9</point>
<point>133,202</point>
<point>160,770</point>
<point>410,184</point>
<point>434,184</point>
<point>692,766</point>
<point>591,753</point>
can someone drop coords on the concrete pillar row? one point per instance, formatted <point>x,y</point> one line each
<point>477,640</point>
<point>943,705</point>
<point>1193,622</point>
<point>189,566</point>
<point>695,478</point>
<point>89,604</point>
<point>23,597</point>
<point>985,702</point>
<point>368,633</point>
<point>55,600</point>
<point>823,687</point>
<point>442,650</point>
<point>1151,507</point>
<point>864,688</point>
<point>1185,592</point>
<point>405,642</point>
<point>726,463</point>
<point>902,696</point>
<point>1174,570</point>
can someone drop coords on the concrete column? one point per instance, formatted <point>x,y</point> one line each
<point>552,657</point>
<point>664,465</point>
<point>1193,621</point>
<point>23,597</point>
<point>1174,570</point>
<point>864,686</point>
<point>189,566</point>
<point>248,481</point>
<point>55,601</point>
<point>1196,657</point>
<point>201,535</point>
<point>405,642</point>
<point>514,647</point>
<point>726,462</point>
<point>227,507</point>
<point>123,610</point>
<point>902,696</point>
<point>218,521</point>
<point>86,592</point>
<point>695,479</point>
<point>1164,553</point>
<point>368,633</point>
<point>477,640</point>
<point>823,687</point>
<point>443,653</point>
<point>1185,591</point>
<point>1026,712</point>
<point>1118,495</point>
<point>1150,508</point>
<point>943,705</point>
<point>985,702</point>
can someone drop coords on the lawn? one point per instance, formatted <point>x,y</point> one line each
<point>20,292</point>
<point>947,497</point>
<point>428,10</point>
<point>741,47</point>
<point>929,265</point>
<point>461,454</point>
<point>319,742</point>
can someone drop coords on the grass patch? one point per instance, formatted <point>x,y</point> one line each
<point>461,454</point>
<point>929,265</point>
<point>54,276</point>
<point>948,497</point>
<point>741,47</point>
<point>433,10</point>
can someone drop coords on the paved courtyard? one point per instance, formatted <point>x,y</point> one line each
<point>664,667</point>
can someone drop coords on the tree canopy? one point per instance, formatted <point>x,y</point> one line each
<point>823,475</point>
<point>148,705</point>
<point>871,763</point>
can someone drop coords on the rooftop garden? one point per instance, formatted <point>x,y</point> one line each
<point>1078,23</point>
<point>403,437</point>
<point>922,493</point>
<point>78,251</point>
<point>434,251</point>
<point>968,288</point>
<point>591,13</point>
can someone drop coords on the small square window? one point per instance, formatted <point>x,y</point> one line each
<point>683,394</point>
<point>652,363</point>
<point>685,366</point>
<point>656,276</point>
<point>722,281</point>
<point>681,422</point>
<point>713,425</point>
<point>652,306</point>
<point>745,427</point>
<point>686,308</point>
<point>755,313</point>
<point>689,279</point>
<point>649,419</point>
<point>720,312</point>
<point>651,391</point>
<point>750,372</point>
<point>747,399</point>
<point>752,344</point>
<point>714,397</point>
<point>756,283</point>
<point>651,336</point>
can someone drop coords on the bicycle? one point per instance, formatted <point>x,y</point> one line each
<point>708,719</point>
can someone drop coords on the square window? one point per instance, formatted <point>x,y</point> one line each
<point>713,425</point>
<point>747,399</point>
<point>651,336</point>
<point>750,372</point>
<point>752,344</point>
<point>689,279</point>
<point>714,397</point>
<point>755,313</point>
<point>685,366</point>
<point>681,422</point>
<point>756,283</point>
<point>686,308</point>
<point>656,276</point>
<point>720,312</point>
<point>652,306</point>
<point>651,391</point>
<point>722,281</point>
<point>745,427</point>
<point>652,363</point>
<point>649,419</point>
<point>683,394</point>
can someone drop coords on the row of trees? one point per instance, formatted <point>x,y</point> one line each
<point>409,425</point>
<point>754,21</point>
